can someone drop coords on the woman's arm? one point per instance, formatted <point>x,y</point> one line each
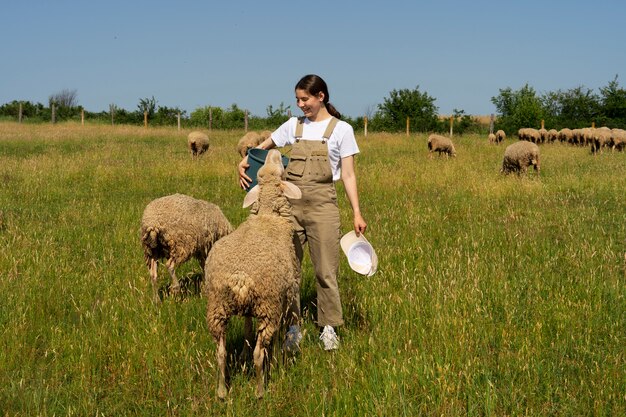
<point>348,177</point>
<point>244,179</point>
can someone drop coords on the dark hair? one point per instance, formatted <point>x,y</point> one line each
<point>314,84</point>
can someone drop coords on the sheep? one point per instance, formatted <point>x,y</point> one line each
<point>198,142</point>
<point>440,144</point>
<point>565,135</point>
<point>263,284</point>
<point>619,139</point>
<point>529,134</point>
<point>519,156</point>
<point>552,135</point>
<point>500,136</point>
<point>178,227</point>
<point>247,141</point>
<point>599,138</point>
<point>491,138</point>
<point>543,135</point>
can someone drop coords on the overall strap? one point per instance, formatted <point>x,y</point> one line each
<point>299,128</point>
<point>330,128</point>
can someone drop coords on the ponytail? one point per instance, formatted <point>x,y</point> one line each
<point>333,111</point>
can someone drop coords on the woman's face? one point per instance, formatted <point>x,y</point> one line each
<point>310,105</point>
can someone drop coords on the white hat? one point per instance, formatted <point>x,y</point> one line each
<point>361,255</point>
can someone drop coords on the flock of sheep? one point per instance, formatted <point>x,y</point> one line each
<point>263,284</point>
<point>521,155</point>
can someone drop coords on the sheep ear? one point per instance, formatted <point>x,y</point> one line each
<point>291,191</point>
<point>251,197</point>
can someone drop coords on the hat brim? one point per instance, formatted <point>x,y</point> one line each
<point>360,253</point>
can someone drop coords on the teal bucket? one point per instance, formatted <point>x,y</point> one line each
<point>256,159</point>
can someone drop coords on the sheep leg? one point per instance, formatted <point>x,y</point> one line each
<point>221,366</point>
<point>259,359</point>
<point>152,267</point>
<point>175,287</point>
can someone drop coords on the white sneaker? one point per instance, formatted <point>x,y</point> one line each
<point>292,339</point>
<point>329,338</point>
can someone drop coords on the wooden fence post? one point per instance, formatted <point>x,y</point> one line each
<point>54,114</point>
<point>19,116</point>
<point>593,125</point>
<point>451,125</point>
<point>112,111</point>
<point>491,123</point>
<point>245,121</point>
<point>178,118</point>
<point>210,118</point>
<point>543,123</point>
<point>365,128</point>
<point>145,119</point>
<point>408,122</point>
<point>82,117</point>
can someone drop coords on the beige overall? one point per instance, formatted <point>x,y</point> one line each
<point>316,220</point>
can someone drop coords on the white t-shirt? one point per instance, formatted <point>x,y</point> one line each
<point>341,143</point>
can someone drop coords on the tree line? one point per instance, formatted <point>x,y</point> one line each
<point>573,108</point>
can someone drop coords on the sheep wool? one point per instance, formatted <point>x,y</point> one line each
<point>500,136</point>
<point>247,141</point>
<point>254,271</point>
<point>519,156</point>
<point>440,144</point>
<point>178,227</point>
<point>491,138</point>
<point>198,142</point>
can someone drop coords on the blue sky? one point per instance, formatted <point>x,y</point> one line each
<point>191,54</point>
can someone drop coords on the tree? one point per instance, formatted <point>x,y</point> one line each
<point>613,104</point>
<point>417,106</point>
<point>147,105</point>
<point>517,109</point>
<point>64,98</point>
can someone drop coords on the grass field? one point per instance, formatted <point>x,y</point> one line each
<point>494,296</point>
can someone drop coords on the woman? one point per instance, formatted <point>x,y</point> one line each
<point>323,149</point>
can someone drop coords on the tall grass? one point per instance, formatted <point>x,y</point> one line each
<point>494,296</point>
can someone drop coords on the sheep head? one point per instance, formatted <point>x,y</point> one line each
<point>272,171</point>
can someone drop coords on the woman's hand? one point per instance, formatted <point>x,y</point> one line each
<point>359,224</point>
<point>244,179</point>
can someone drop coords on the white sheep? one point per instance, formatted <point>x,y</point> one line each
<point>254,271</point>
<point>178,227</point>
<point>198,142</point>
<point>519,156</point>
<point>491,138</point>
<point>247,141</point>
<point>619,139</point>
<point>440,144</point>
<point>500,136</point>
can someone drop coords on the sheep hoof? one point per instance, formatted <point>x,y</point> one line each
<point>221,393</point>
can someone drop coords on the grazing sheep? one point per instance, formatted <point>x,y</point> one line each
<point>266,134</point>
<point>247,141</point>
<point>619,139</point>
<point>198,143</point>
<point>519,156</point>
<point>178,227</point>
<point>254,271</point>
<point>491,138</point>
<point>440,144</point>
<point>565,135</point>
<point>543,135</point>
<point>599,138</point>
<point>500,136</point>
<point>529,134</point>
<point>553,135</point>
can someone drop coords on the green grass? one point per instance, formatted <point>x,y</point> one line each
<point>494,296</point>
